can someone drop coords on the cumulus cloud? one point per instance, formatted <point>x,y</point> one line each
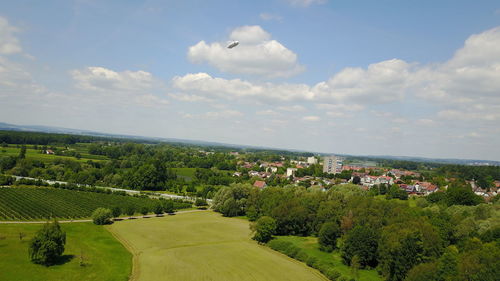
<point>9,44</point>
<point>270,17</point>
<point>311,118</point>
<point>103,79</point>
<point>469,79</point>
<point>206,85</point>
<point>381,82</point>
<point>134,87</point>
<point>257,54</point>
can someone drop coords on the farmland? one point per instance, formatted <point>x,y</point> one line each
<point>104,258</point>
<point>36,154</point>
<point>24,203</point>
<point>204,246</point>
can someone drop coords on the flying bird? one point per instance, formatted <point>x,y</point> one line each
<point>233,44</point>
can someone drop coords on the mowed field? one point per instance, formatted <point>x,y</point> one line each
<point>105,259</point>
<point>203,246</point>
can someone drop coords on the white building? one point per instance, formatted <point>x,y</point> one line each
<point>290,172</point>
<point>332,164</point>
<point>312,160</point>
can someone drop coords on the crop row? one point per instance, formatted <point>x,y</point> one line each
<point>41,203</point>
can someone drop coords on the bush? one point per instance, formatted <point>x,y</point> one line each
<point>264,229</point>
<point>102,216</point>
<point>117,211</point>
<point>130,210</point>
<point>201,203</point>
<point>48,244</point>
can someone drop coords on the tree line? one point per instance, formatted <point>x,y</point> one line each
<point>387,235</point>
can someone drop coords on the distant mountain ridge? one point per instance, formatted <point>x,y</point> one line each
<point>60,130</point>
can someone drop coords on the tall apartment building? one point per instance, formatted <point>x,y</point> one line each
<point>312,160</point>
<point>332,164</point>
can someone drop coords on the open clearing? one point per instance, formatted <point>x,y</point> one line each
<point>204,246</point>
<point>105,258</point>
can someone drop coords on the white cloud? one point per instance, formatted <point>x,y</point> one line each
<point>305,3</point>
<point>206,85</point>
<point>425,122</point>
<point>229,113</point>
<point>311,118</point>
<point>381,82</point>
<point>292,108</point>
<point>9,44</point>
<point>103,79</point>
<point>469,115</point>
<point>189,98</point>
<point>270,17</point>
<point>256,55</point>
<point>126,87</point>
<point>267,112</point>
<point>469,79</point>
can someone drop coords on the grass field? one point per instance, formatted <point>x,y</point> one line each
<point>333,260</point>
<point>105,258</point>
<point>185,173</point>
<point>204,246</point>
<point>31,203</point>
<point>36,155</point>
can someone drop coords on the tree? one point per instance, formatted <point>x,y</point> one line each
<point>48,244</point>
<point>361,241</point>
<point>328,235</point>
<point>264,229</point>
<point>22,153</point>
<point>130,210</point>
<point>144,210</point>
<point>102,216</point>
<point>447,264</point>
<point>356,180</point>
<point>458,194</point>
<point>168,206</point>
<point>158,209</point>
<point>423,271</point>
<point>117,211</point>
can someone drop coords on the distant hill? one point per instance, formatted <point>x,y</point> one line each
<point>60,130</point>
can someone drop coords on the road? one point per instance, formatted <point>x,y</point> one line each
<point>72,221</point>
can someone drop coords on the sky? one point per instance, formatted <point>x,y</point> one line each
<point>388,77</point>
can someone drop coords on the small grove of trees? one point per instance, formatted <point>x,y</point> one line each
<point>102,216</point>
<point>47,245</point>
<point>264,229</point>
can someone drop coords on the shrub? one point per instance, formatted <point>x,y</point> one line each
<point>48,244</point>
<point>264,229</point>
<point>117,211</point>
<point>201,203</point>
<point>102,216</point>
<point>130,210</point>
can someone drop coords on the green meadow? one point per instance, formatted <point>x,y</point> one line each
<point>104,258</point>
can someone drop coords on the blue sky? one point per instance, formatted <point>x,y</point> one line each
<point>412,78</point>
